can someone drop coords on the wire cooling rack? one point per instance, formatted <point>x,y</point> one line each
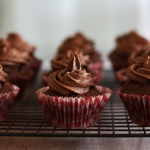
<point>26,117</point>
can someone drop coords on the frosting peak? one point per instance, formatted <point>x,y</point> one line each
<point>3,75</point>
<point>72,79</point>
<point>147,63</point>
<point>74,64</point>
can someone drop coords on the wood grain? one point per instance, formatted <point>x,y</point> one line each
<point>43,143</point>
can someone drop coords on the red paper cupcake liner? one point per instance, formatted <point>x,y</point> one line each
<point>6,100</point>
<point>138,107</point>
<point>35,67</point>
<point>98,77</point>
<point>121,76</point>
<point>69,112</point>
<point>95,66</point>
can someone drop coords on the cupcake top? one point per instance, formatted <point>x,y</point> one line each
<point>139,56</point>
<point>77,43</point>
<point>139,75</point>
<point>130,42</point>
<point>5,85</point>
<point>17,42</point>
<point>11,56</point>
<point>61,61</point>
<point>72,81</point>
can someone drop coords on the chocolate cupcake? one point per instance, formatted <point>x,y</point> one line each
<point>8,92</point>
<point>135,94</point>
<point>15,63</point>
<point>17,42</point>
<point>61,61</point>
<point>72,100</point>
<point>79,43</point>
<point>125,46</point>
<point>136,57</point>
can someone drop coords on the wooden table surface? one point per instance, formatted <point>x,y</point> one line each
<point>48,143</point>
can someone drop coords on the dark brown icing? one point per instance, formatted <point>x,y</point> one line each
<point>62,60</point>
<point>77,43</point>
<point>17,42</point>
<point>10,55</point>
<point>72,80</point>
<point>5,85</point>
<point>130,42</point>
<point>139,72</point>
<point>139,56</point>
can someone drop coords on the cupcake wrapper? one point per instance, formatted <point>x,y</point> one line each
<point>35,67</point>
<point>69,112</point>
<point>6,101</point>
<point>121,76</point>
<point>98,78</point>
<point>138,107</point>
<point>95,66</point>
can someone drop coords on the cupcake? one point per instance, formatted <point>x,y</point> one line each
<point>125,46</point>
<point>79,43</point>
<point>15,63</point>
<point>17,42</point>
<point>8,92</point>
<point>136,57</point>
<point>72,100</point>
<point>61,61</point>
<point>135,94</point>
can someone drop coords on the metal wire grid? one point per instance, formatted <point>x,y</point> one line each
<point>26,118</point>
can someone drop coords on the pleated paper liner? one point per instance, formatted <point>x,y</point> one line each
<point>69,112</point>
<point>138,107</point>
<point>6,100</point>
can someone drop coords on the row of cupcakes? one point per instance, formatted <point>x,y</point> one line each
<point>90,59</point>
<point>17,58</point>
<point>131,63</point>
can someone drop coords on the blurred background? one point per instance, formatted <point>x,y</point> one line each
<point>47,23</point>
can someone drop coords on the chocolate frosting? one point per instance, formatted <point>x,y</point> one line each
<point>77,43</point>
<point>61,61</point>
<point>5,85</point>
<point>139,56</point>
<point>139,72</point>
<point>72,79</point>
<point>11,56</point>
<point>130,42</point>
<point>17,42</point>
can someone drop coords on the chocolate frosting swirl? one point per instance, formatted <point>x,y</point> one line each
<point>130,42</point>
<point>77,43</point>
<point>61,61</point>
<point>9,55</point>
<point>17,42</point>
<point>72,79</point>
<point>139,72</point>
<point>139,56</point>
<point>3,75</point>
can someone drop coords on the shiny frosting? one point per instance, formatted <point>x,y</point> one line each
<point>17,42</point>
<point>139,56</point>
<point>10,55</point>
<point>78,43</point>
<point>130,42</point>
<point>72,79</point>
<point>139,72</point>
<point>3,75</point>
<point>62,60</point>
